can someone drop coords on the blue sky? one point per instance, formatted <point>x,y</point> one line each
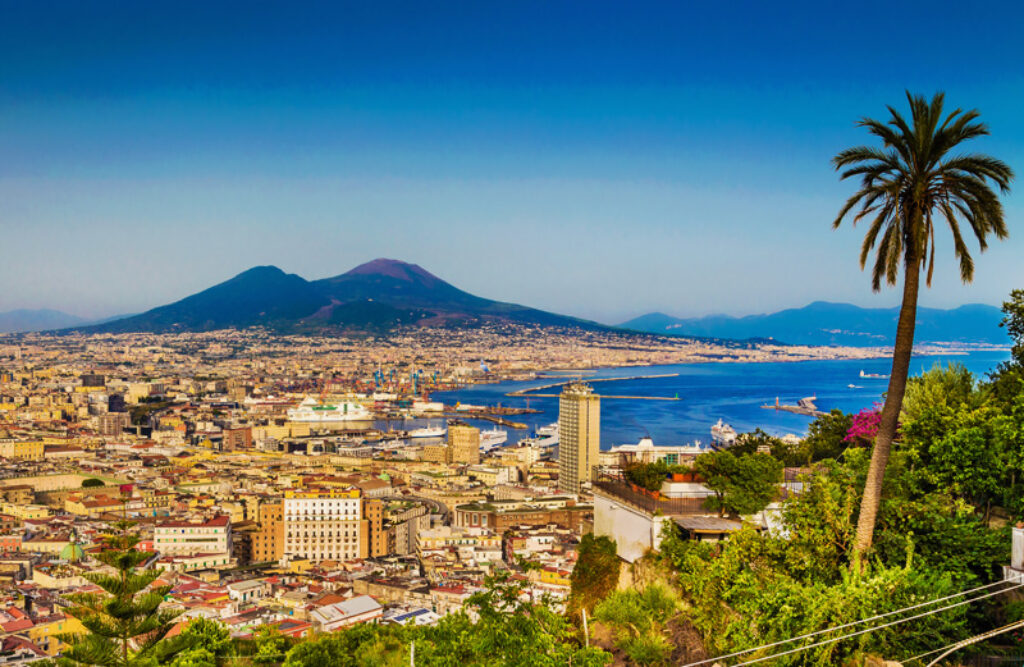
<point>597,159</point>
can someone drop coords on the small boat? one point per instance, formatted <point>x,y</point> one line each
<point>854,386</point>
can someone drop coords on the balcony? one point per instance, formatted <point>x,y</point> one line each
<point>645,500</point>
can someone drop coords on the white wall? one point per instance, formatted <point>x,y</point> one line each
<point>634,531</point>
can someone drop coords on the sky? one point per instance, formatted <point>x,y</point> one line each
<point>598,159</point>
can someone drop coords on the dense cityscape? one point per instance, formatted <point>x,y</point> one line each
<point>263,507</point>
<point>533,334</point>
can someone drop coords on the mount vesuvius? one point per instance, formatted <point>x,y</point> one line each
<point>376,296</point>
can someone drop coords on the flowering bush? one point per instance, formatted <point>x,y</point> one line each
<point>865,425</point>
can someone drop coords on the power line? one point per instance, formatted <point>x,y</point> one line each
<point>950,648</point>
<point>877,627</point>
<point>847,625</point>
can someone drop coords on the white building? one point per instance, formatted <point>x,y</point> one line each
<point>325,525</point>
<point>185,538</point>
<point>646,451</point>
<point>360,609</point>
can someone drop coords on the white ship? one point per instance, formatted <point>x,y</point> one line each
<point>874,375</point>
<point>549,430</point>
<point>312,411</point>
<point>723,434</point>
<point>492,438</point>
<point>428,432</point>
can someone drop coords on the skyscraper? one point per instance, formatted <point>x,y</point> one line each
<point>579,424</point>
<point>463,443</point>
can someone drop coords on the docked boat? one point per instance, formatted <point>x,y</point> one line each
<point>311,411</point>
<point>492,438</point>
<point>549,430</point>
<point>428,432</point>
<point>723,434</point>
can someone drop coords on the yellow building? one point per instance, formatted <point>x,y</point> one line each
<point>464,444</point>
<point>25,511</point>
<point>579,424</point>
<point>45,634</point>
<point>22,450</point>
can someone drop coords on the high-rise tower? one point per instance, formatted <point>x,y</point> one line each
<point>579,425</point>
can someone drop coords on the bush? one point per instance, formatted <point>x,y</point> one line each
<point>92,482</point>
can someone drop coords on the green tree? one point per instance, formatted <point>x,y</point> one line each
<point>92,482</point>
<point>1007,382</point>
<point>742,484</point>
<point>509,631</point>
<point>205,642</point>
<point>749,443</point>
<point>271,645</point>
<point>596,573</point>
<point>125,625</point>
<point>939,387</point>
<point>912,182</point>
<point>1013,321</point>
<point>826,439</point>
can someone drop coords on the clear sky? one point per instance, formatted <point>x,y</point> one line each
<point>596,159</point>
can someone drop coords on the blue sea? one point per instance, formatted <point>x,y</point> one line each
<point>733,392</point>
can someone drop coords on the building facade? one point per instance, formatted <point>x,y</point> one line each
<point>579,423</point>
<point>182,537</point>
<point>463,444</point>
<point>325,525</point>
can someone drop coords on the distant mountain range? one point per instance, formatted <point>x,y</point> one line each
<point>23,321</point>
<point>385,293</point>
<point>15,321</point>
<point>376,296</point>
<point>824,323</point>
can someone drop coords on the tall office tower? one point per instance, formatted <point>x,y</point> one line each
<point>463,443</point>
<point>579,425</point>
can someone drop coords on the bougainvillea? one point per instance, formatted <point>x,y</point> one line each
<point>865,425</point>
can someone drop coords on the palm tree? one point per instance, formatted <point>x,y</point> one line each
<point>907,186</point>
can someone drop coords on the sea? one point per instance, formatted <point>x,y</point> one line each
<point>732,392</point>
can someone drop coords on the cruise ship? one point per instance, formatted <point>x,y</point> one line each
<point>314,412</point>
<point>723,434</point>
<point>492,438</point>
<point>428,432</point>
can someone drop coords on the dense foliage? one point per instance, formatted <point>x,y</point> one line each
<point>509,630</point>
<point>596,573</point>
<point>743,484</point>
<point>953,486</point>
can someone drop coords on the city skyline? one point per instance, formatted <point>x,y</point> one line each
<point>682,159</point>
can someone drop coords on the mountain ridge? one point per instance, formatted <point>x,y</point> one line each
<point>836,323</point>
<point>377,295</point>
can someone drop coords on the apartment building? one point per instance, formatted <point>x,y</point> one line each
<point>183,537</point>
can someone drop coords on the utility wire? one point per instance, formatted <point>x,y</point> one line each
<point>876,627</point>
<point>846,625</point>
<point>966,642</point>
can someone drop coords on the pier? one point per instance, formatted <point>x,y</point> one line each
<point>531,392</point>
<point>805,406</point>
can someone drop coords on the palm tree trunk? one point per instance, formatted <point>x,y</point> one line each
<point>901,352</point>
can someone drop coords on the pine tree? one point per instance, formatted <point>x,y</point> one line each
<point>126,627</point>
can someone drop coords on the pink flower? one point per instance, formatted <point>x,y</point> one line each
<point>865,424</point>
